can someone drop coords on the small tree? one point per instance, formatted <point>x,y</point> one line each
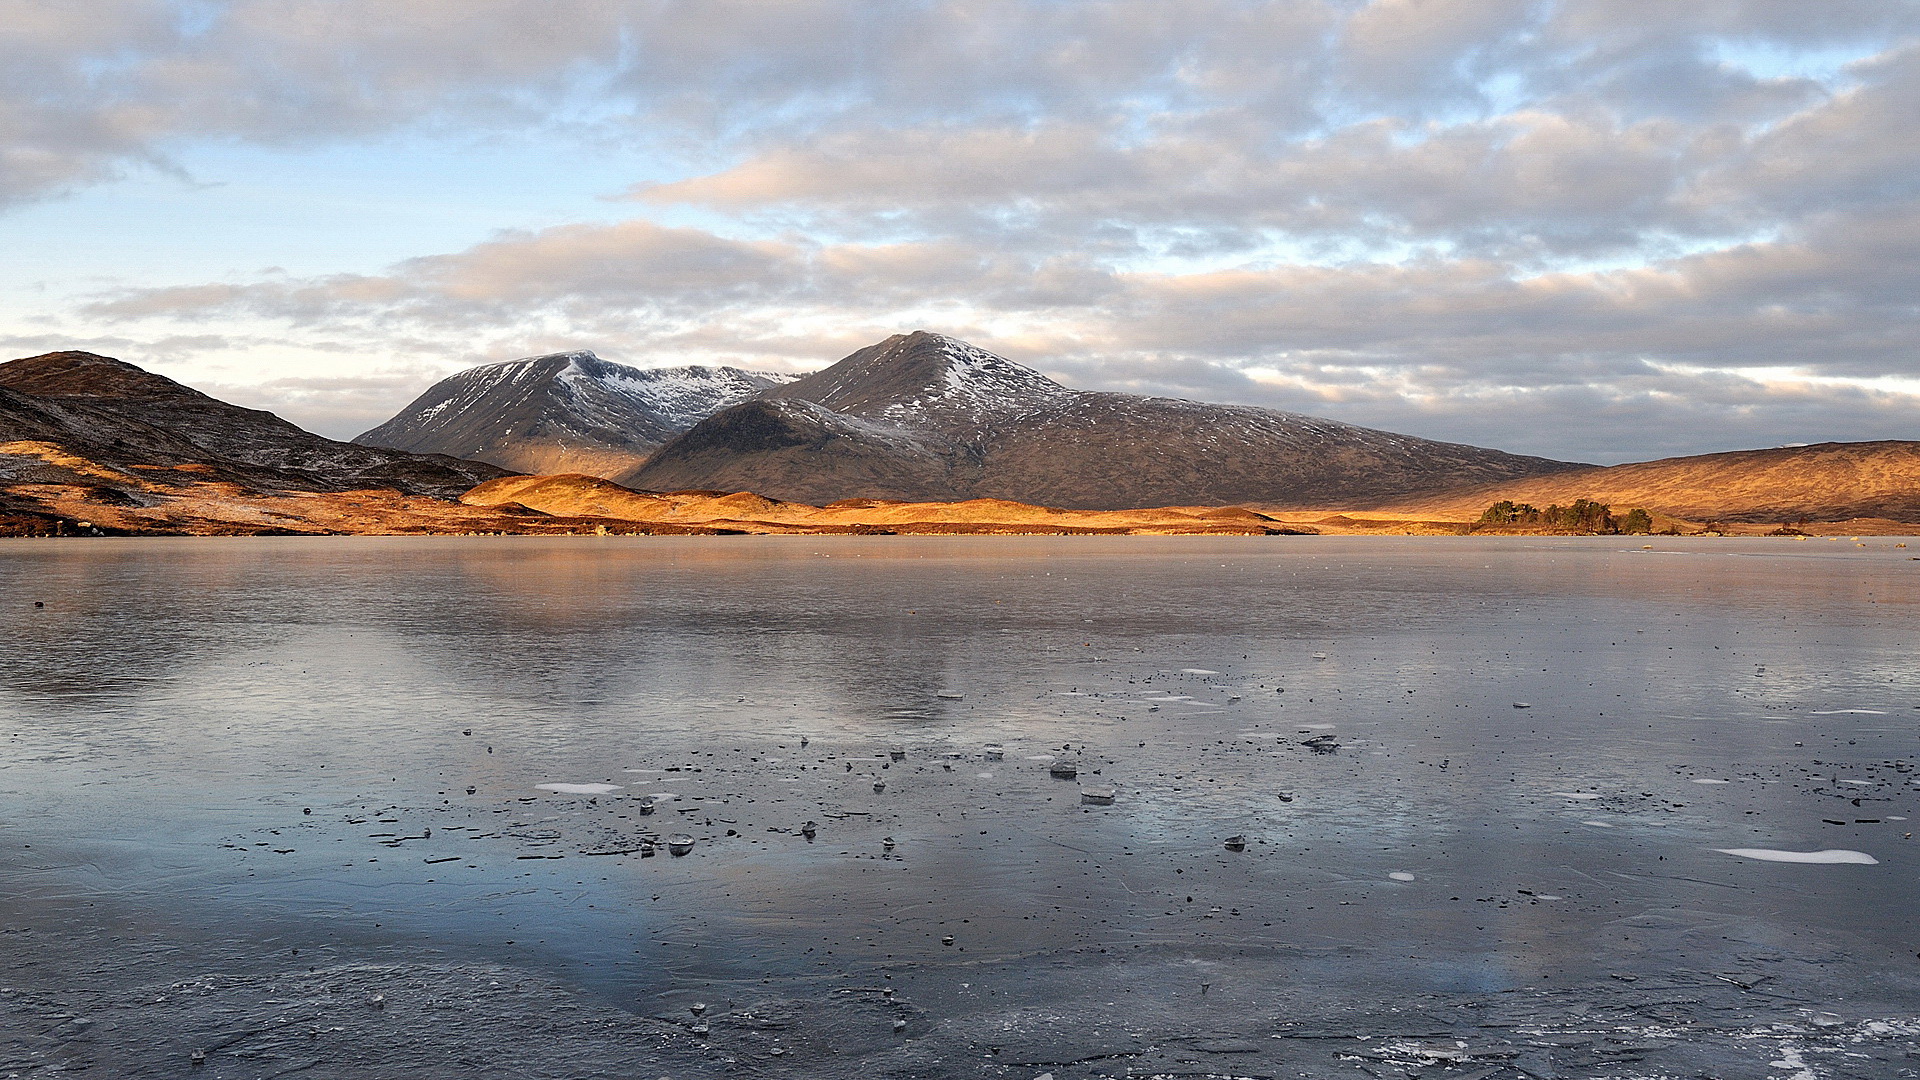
<point>1508,512</point>
<point>1637,522</point>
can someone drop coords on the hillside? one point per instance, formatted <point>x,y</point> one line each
<point>118,417</point>
<point>1822,482</point>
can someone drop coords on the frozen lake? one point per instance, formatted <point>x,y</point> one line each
<point>1510,806</point>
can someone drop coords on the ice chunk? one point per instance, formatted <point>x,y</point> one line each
<point>1097,796</point>
<point>994,751</point>
<point>1321,744</point>
<point>679,844</point>
<point>578,789</point>
<point>1401,875</point>
<point>1236,842</point>
<point>1846,712</point>
<point>1575,794</point>
<point>1063,770</point>
<point>1709,780</point>
<point>1829,856</point>
<point>1197,671</point>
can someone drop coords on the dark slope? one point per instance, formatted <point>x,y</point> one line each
<point>566,412</point>
<point>114,414</point>
<point>921,416</point>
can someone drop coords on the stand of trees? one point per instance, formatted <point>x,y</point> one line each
<point>1584,516</point>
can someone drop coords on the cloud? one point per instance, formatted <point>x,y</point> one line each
<point>1614,225</point>
<point>1375,341</point>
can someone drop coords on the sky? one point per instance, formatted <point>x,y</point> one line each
<point>1596,230</point>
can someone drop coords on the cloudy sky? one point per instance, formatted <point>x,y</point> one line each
<point>1602,230</point>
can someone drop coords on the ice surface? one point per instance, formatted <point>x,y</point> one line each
<point>579,789</point>
<point>162,778</point>
<point>1831,856</point>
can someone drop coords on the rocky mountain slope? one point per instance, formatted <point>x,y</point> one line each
<point>81,430</point>
<point>1823,482</point>
<point>926,417</point>
<point>565,412</point>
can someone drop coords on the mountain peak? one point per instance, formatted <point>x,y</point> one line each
<point>74,373</point>
<point>563,412</point>
<point>925,373</point>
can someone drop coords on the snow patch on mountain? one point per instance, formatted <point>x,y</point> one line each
<point>980,387</point>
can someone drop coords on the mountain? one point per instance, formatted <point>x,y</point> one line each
<point>77,419</point>
<point>565,412</point>
<point>1823,482</point>
<point>925,417</point>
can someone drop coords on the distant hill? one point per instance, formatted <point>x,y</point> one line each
<point>926,417</point>
<point>592,498</point>
<point>1823,482</point>
<point>564,412</point>
<point>81,418</point>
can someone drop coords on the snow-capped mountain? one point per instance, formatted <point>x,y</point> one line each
<point>564,412</point>
<point>926,417</point>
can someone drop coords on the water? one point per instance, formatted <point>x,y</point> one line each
<point>247,784</point>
